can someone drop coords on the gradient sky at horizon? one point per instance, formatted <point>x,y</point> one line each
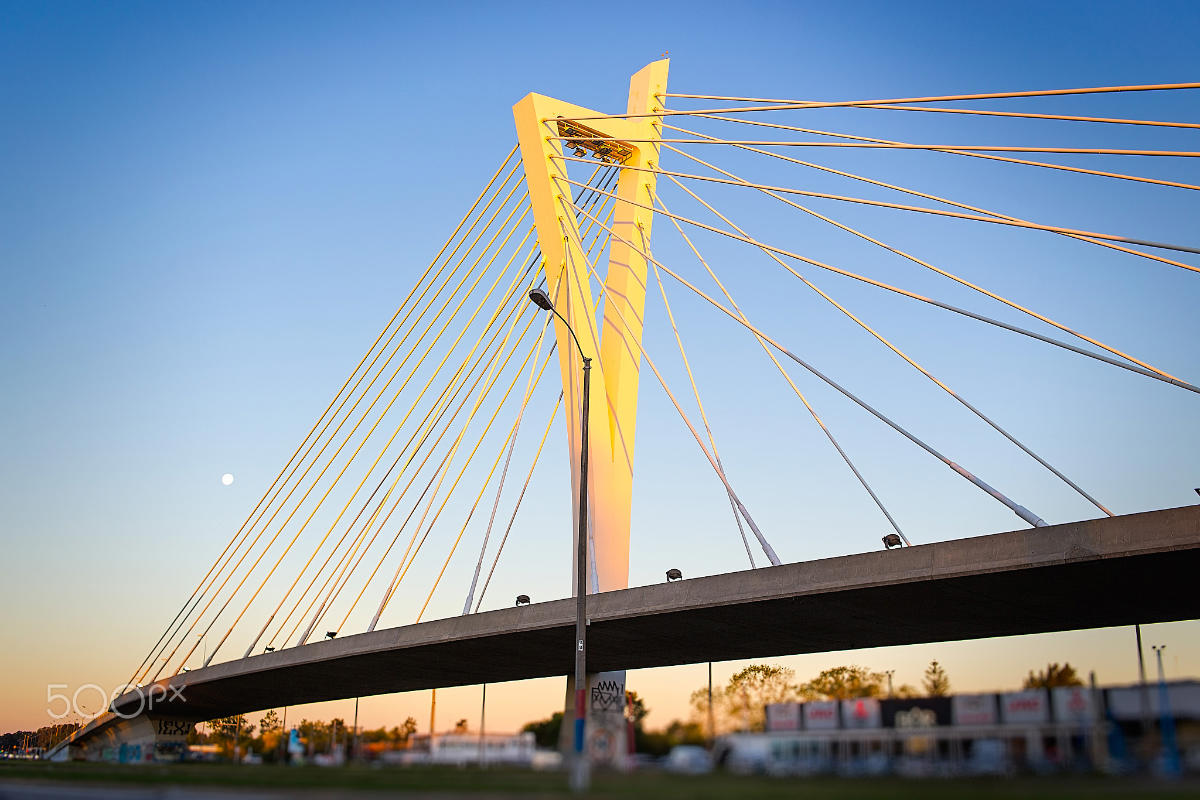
<point>207,211</point>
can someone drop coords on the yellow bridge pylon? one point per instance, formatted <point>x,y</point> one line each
<point>544,124</point>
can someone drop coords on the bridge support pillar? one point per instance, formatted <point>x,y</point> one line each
<point>607,739</point>
<point>137,740</point>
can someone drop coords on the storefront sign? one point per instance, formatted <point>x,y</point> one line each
<point>862,712</point>
<point>974,709</point>
<point>821,715</point>
<point>1072,704</point>
<point>783,717</point>
<point>1024,708</point>
<point>915,712</point>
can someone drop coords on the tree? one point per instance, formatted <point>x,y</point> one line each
<point>741,702</point>
<point>315,735</point>
<point>270,722</point>
<point>1053,676</point>
<point>546,731</point>
<point>227,726</point>
<point>43,737</point>
<point>936,683</point>
<point>659,743</point>
<point>635,709</point>
<point>643,741</point>
<point>399,736</point>
<point>225,730</point>
<point>460,726</point>
<point>699,703</point>
<point>844,683</point>
<point>270,735</point>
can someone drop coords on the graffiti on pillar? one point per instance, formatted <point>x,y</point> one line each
<point>172,727</point>
<point>601,745</point>
<point>129,753</point>
<point>606,717</point>
<point>608,696</point>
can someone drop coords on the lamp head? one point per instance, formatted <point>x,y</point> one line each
<point>541,299</point>
<point>674,575</point>
<point>890,541</point>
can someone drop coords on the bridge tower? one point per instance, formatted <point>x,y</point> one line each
<point>543,125</point>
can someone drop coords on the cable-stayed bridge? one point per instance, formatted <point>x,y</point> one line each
<point>424,457</point>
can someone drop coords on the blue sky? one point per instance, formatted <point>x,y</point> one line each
<point>207,211</point>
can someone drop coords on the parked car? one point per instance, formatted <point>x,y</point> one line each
<point>688,759</point>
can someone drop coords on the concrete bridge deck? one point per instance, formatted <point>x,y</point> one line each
<point>1096,573</point>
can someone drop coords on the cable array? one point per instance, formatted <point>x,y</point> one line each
<point>412,456</point>
<point>399,440</point>
<point>690,182</point>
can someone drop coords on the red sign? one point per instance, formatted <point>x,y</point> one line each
<point>1028,707</point>
<point>821,715</point>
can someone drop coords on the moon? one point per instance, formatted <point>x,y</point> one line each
<point>227,479</point>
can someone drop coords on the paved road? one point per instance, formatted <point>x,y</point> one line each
<point>22,790</point>
<point>18,790</point>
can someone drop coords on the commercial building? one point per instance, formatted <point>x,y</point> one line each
<point>1117,728</point>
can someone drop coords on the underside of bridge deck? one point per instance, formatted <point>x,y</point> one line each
<point>1116,571</point>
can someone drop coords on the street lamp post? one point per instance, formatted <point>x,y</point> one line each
<point>581,769</point>
<point>712,726</point>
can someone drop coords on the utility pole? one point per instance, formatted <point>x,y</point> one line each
<point>237,735</point>
<point>712,726</point>
<point>1147,722</point>
<point>432,718</point>
<point>482,722</point>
